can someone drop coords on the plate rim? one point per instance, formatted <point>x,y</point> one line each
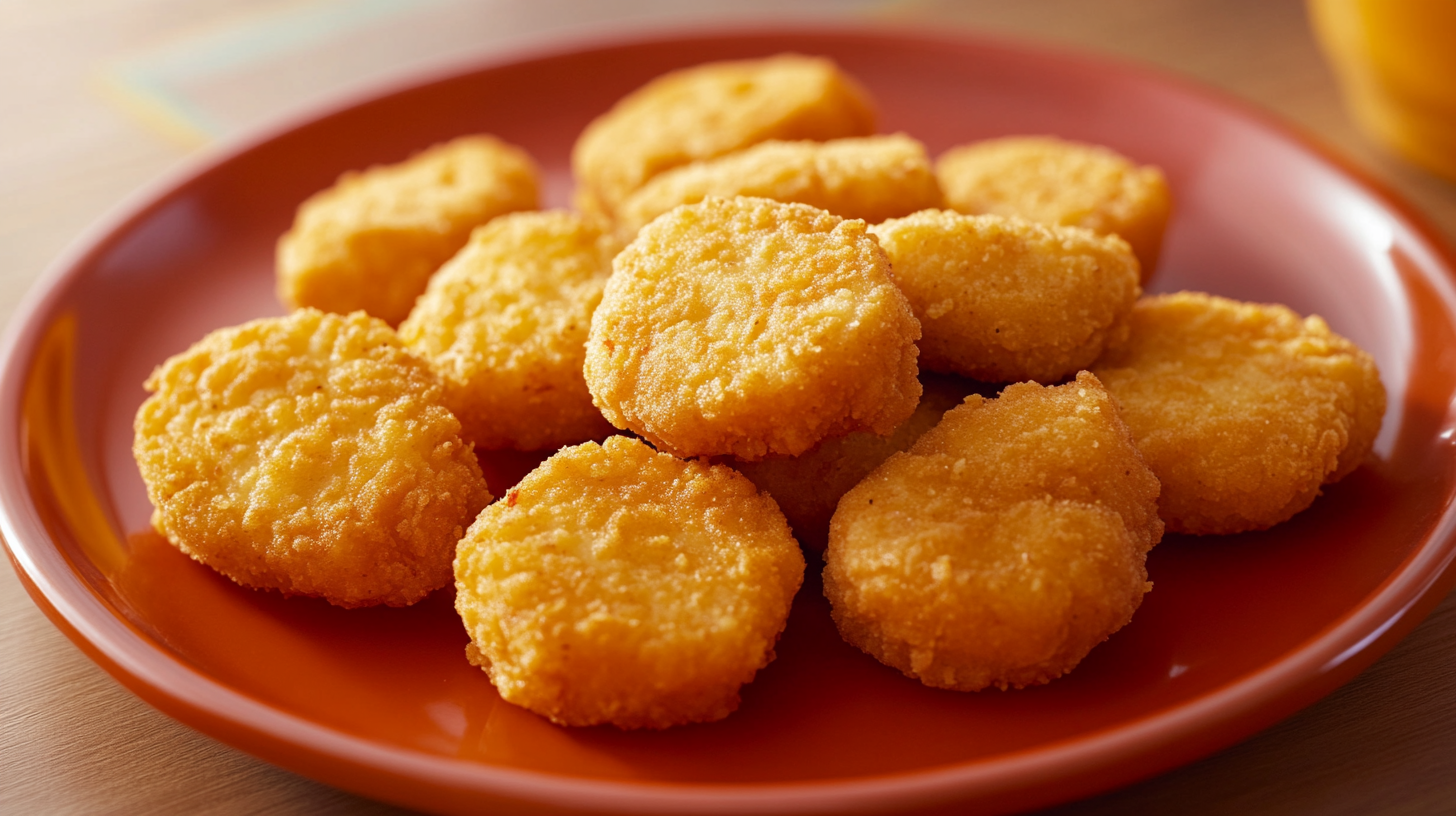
<point>1302,675</point>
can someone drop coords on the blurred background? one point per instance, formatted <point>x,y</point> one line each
<point>100,98</point>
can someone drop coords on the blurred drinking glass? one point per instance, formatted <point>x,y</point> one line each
<point>1396,61</point>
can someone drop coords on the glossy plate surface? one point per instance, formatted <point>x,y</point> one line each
<point>1238,632</point>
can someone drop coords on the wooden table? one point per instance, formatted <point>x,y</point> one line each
<point>73,740</point>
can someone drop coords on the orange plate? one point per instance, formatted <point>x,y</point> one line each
<point>1239,632</point>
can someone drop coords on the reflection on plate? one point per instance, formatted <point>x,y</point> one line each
<point>1238,632</point>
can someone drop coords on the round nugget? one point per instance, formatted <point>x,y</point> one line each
<point>309,454</point>
<point>1069,184</point>
<point>709,110</point>
<point>1243,410</point>
<point>619,585</point>
<point>872,178</point>
<point>748,327</point>
<point>808,487</point>
<point>372,240</point>
<point>1002,547</point>
<point>1003,299</point>
<point>505,322</point>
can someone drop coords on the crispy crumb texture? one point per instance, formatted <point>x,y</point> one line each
<point>505,322</point>
<point>1002,547</point>
<point>748,327</point>
<point>1003,299</point>
<point>871,178</point>
<point>372,240</point>
<point>619,585</point>
<point>309,454</point>
<point>1242,409</point>
<point>808,487</point>
<point>710,110</point>
<point>1063,183</point>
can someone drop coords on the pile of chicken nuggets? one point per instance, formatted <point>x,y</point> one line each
<point>764,329</point>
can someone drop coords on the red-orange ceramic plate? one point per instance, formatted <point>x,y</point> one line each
<point>1238,632</point>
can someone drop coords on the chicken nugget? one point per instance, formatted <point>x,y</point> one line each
<point>505,322</point>
<point>1070,184</point>
<point>807,487</point>
<point>309,454</point>
<point>372,240</point>
<point>871,178</point>
<point>1003,546</point>
<point>747,327</point>
<point>1002,299</point>
<point>1243,410</point>
<point>713,109</point>
<point>619,585</point>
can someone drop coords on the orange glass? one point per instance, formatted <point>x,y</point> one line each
<point>1396,60</point>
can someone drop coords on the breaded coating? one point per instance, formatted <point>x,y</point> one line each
<point>1003,300</point>
<point>505,322</point>
<point>871,178</point>
<point>372,240</point>
<point>309,454</point>
<point>1002,547</point>
<point>710,110</point>
<point>1242,409</point>
<point>1069,184</point>
<point>619,585</point>
<point>748,327</point>
<point>807,487</point>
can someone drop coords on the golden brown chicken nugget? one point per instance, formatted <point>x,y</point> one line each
<point>1070,184</point>
<point>1002,547</point>
<point>372,240</point>
<point>309,454</point>
<point>713,109</point>
<point>872,178</point>
<point>1242,409</point>
<point>747,327</point>
<point>619,585</point>
<point>808,487</point>
<point>1003,299</point>
<point>505,322</point>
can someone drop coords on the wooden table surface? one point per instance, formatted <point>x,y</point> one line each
<point>72,740</point>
